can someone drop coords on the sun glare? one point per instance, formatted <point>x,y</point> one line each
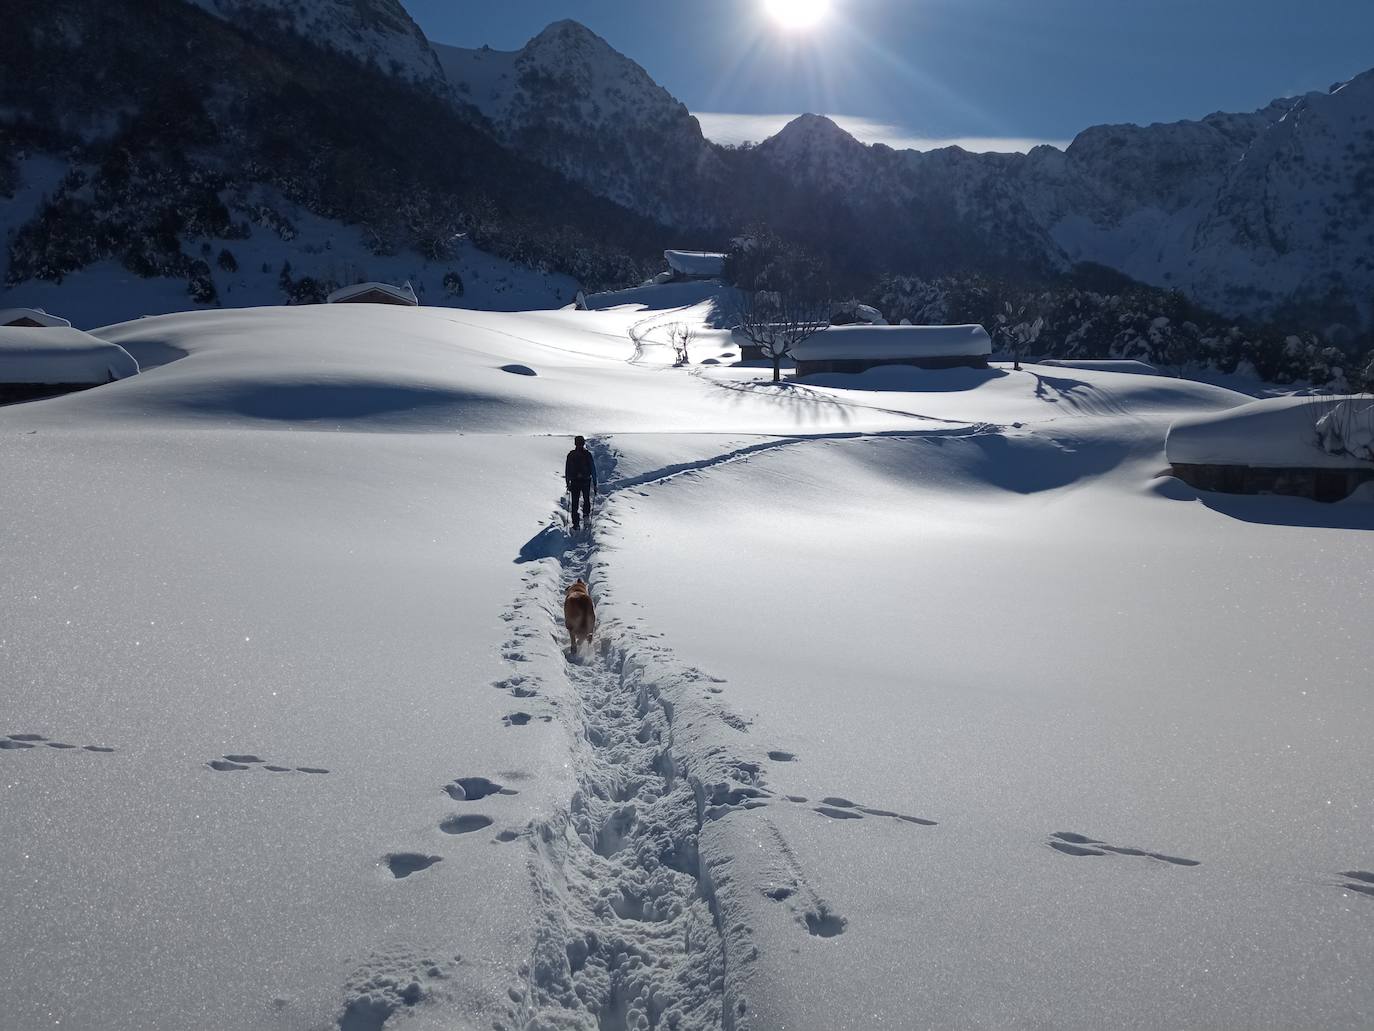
<point>797,14</point>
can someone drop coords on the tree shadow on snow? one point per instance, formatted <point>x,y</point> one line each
<point>904,379</point>
<point>1075,394</point>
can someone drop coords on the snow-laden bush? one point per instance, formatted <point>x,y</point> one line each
<point>1347,428</point>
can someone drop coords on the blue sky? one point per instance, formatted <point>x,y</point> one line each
<point>956,69</point>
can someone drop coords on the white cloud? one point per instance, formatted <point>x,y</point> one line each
<point>734,128</point>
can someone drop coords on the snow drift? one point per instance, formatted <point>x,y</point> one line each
<point>1284,432</point>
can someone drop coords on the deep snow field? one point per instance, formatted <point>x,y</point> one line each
<point>920,699</point>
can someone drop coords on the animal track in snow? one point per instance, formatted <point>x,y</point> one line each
<point>837,808</point>
<point>24,742</point>
<point>403,864</point>
<point>1072,844</point>
<point>237,763</point>
<point>1363,882</point>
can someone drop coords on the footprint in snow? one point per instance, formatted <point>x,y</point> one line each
<point>238,762</point>
<point>470,789</point>
<point>519,719</point>
<point>823,923</point>
<point>23,742</point>
<point>837,808</point>
<point>1072,844</point>
<point>782,757</point>
<point>465,824</point>
<point>403,864</point>
<point>1361,881</point>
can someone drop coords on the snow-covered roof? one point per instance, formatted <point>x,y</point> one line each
<point>9,316</point>
<point>839,343</point>
<point>701,264</point>
<point>1278,433</point>
<point>402,294</point>
<point>60,355</point>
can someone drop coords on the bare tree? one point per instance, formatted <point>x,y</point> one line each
<point>781,295</point>
<point>681,335</point>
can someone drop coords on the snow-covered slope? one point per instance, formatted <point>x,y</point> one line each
<point>376,32</point>
<point>916,699</point>
<point>577,105</point>
<point>289,251</point>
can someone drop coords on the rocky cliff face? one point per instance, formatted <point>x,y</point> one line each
<point>377,32</point>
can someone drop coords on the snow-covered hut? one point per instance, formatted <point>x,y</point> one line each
<point>374,293</point>
<point>856,348</point>
<point>1313,447</point>
<point>31,318</point>
<point>42,362</point>
<point>685,265</point>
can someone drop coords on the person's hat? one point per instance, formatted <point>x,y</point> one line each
<point>579,441</point>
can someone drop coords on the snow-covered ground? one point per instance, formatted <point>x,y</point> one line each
<point>920,699</point>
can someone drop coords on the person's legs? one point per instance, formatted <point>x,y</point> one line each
<point>579,490</point>
<point>587,501</point>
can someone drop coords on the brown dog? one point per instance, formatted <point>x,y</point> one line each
<point>579,614</point>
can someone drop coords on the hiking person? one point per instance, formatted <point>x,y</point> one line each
<point>579,472</point>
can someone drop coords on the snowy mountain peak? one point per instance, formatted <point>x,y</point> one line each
<point>569,31</point>
<point>378,32</point>
<point>809,130</point>
<point>573,102</point>
<point>816,150</point>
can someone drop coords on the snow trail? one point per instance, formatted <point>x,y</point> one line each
<point>627,937</point>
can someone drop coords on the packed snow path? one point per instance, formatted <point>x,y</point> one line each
<point>627,938</point>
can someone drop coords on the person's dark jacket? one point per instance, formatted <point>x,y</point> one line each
<point>580,467</point>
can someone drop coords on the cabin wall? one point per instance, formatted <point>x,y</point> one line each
<point>806,368</point>
<point>1317,484</point>
<point>12,392</point>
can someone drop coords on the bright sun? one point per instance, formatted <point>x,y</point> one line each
<point>797,14</point>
